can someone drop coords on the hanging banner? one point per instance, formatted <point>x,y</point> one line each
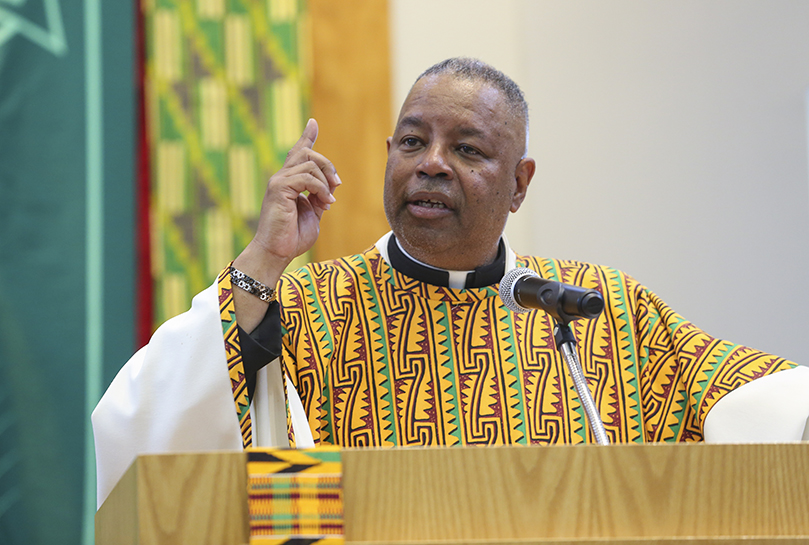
<point>227,95</point>
<point>65,253</point>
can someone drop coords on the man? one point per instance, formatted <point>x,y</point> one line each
<point>408,342</point>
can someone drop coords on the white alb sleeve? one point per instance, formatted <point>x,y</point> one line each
<point>173,395</point>
<point>771,409</point>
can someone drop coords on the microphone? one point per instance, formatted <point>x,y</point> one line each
<point>523,289</point>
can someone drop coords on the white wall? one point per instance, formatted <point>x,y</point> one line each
<point>671,141</point>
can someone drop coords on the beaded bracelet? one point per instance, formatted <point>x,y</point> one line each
<point>250,285</point>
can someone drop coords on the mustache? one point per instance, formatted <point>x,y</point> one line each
<point>429,184</point>
<point>433,180</point>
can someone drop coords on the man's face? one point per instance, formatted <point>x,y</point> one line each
<point>454,172</point>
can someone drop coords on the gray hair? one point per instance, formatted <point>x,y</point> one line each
<point>478,71</point>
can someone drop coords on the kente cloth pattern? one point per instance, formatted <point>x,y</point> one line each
<point>233,354</point>
<point>295,495</point>
<point>227,94</point>
<point>381,359</point>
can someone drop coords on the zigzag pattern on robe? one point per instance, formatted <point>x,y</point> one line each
<point>233,353</point>
<point>381,359</point>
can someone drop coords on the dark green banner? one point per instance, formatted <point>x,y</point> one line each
<point>66,252</point>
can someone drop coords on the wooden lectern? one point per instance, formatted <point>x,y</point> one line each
<point>621,494</point>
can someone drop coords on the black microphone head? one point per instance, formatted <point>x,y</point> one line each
<point>507,287</point>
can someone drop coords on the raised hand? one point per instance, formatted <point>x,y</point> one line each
<point>289,221</point>
<point>294,201</point>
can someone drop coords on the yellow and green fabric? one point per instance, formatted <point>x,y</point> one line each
<point>227,95</point>
<point>381,359</point>
<point>295,494</point>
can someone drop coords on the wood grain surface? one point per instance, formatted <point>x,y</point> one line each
<point>676,494</point>
<point>747,540</point>
<point>178,499</point>
<point>628,492</point>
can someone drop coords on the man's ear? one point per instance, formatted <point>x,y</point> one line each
<point>387,143</point>
<point>522,174</point>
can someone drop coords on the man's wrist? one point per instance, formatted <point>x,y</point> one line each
<point>260,265</point>
<point>257,263</point>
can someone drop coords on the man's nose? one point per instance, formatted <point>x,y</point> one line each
<point>435,162</point>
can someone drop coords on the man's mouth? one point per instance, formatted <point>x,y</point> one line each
<point>430,204</point>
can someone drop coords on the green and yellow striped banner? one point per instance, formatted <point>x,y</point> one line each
<point>227,95</point>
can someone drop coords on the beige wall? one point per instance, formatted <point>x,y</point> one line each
<point>671,142</point>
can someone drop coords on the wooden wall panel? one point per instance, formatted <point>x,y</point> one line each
<point>351,100</point>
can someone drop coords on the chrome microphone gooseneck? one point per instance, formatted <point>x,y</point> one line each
<point>523,290</point>
<point>567,346</point>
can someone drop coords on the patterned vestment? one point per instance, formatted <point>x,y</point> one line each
<point>381,359</point>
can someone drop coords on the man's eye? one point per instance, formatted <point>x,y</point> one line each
<point>469,150</point>
<point>410,141</point>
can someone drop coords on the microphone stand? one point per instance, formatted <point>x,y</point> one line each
<point>522,289</point>
<point>566,343</point>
